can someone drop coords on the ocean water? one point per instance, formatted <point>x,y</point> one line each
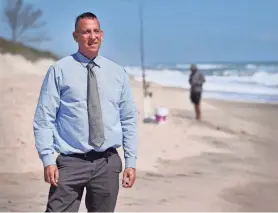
<point>250,82</point>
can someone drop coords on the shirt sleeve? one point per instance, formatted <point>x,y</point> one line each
<point>45,116</point>
<point>129,122</point>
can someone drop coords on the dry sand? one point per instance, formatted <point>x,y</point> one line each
<point>227,162</point>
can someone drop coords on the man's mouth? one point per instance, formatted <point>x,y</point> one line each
<point>92,44</point>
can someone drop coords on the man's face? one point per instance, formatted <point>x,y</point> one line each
<point>88,35</point>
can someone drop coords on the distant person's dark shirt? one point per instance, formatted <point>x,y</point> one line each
<point>196,80</point>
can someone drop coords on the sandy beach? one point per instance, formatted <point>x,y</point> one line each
<point>227,162</point>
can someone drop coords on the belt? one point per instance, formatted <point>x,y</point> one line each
<point>93,154</point>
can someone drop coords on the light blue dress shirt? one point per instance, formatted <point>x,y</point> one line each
<point>61,117</point>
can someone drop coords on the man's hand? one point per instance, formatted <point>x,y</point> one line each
<point>129,177</point>
<point>51,175</point>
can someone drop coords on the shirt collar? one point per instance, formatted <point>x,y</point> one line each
<point>84,60</point>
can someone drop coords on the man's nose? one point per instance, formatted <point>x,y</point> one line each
<point>92,35</point>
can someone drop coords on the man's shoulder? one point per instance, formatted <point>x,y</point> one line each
<point>199,73</point>
<point>63,62</point>
<point>111,64</point>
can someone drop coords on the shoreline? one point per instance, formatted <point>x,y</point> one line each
<point>204,98</point>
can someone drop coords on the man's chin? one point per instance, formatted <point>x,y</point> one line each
<point>93,49</point>
<point>93,46</point>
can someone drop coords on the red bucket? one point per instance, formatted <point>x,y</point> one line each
<point>161,115</point>
<point>160,118</point>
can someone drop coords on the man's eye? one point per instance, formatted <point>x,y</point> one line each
<point>89,32</point>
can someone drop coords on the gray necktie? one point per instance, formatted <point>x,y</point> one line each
<point>96,129</point>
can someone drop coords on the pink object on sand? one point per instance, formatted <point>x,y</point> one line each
<point>161,115</point>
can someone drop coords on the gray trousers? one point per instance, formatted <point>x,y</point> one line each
<point>98,174</point>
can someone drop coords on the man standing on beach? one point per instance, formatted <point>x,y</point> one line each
<point>196,80</point>
<point>85,111</point>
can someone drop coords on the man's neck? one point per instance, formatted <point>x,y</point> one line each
<point>89,56</point>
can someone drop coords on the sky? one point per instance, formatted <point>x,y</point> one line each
<point>175,31</point>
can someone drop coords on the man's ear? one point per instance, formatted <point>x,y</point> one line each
<point>102,34</point>
<point>74,35</point>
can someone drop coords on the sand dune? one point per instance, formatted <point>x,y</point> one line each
<point>225,163</point>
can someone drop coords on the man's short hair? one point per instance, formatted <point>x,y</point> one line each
<point>88,15</point>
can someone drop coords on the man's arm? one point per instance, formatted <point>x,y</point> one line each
<point>45,116</point>
<point>129,122</point>
<point>190,79</point>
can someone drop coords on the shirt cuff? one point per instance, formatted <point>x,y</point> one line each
<point>130,163</point>
<point>48,160</point>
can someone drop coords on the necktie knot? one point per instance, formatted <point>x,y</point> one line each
<point>90,65</point>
